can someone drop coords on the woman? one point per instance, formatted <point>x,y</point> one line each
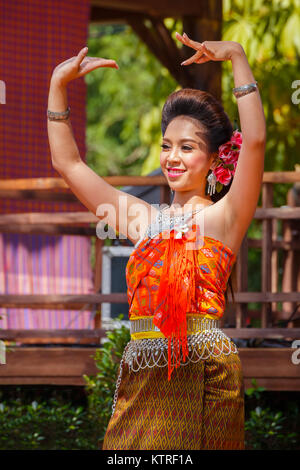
<point>180,382</point>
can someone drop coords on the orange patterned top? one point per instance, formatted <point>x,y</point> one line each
<point>213,268</point>
<point>179,271</point>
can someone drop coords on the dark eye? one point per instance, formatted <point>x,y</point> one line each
<point>164,146</point>
<point>185,147</point>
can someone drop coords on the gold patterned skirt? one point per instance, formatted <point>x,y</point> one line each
<point>201,407</point>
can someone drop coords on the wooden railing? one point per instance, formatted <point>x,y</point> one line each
<point>55,189</point>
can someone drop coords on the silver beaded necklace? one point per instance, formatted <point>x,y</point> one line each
<point>166,221</point>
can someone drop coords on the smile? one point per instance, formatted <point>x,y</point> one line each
<point>172,172</point>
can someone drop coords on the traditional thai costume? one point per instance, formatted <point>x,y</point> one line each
<point>180,383</point>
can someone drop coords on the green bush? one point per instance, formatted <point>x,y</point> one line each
<point>56,425</point>
<point>266,428</point>
<point>46,426</point>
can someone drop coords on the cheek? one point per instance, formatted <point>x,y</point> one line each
<point>162,158</point>
<point>196,162</point>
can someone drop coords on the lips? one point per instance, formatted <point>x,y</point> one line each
<point>175,172</point>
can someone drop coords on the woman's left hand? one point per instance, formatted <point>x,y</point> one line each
<point>209,50</point>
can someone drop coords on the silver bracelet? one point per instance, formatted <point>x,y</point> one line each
<point>58,116</point>
<point>244,89</point>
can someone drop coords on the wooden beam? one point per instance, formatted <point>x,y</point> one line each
<point>40,195</point>
<point>281,177</point>
<point>277,244</point>
<point>166,8</point>
<point>48,229</point>
<point>73,335</point>
<point>53,183</point>
<point>44,336</point>
<point>76,218</point>
<point>39,218</point>
<point>277,213</point>
<point>206,26</point>
<point>155,37</point>
<point>51,300</point>
<point>110,15</point>
<point>274,333</point>
<point>174,54</point>
<point>66,366</point>
<point>41,184</point>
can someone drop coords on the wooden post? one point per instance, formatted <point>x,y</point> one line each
<point>291,258</point>
<point>98,277</point>
<point>242,281</point>
<point>274,267</point>
<point>207,27</point>
<point>266,265</point>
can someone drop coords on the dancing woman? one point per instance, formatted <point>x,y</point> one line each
<point>180,383</point>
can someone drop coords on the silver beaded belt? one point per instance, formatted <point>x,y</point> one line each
<point>147,353</point>
<point>194,324</point>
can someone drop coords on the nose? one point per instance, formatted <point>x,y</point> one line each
<point>173,156</point>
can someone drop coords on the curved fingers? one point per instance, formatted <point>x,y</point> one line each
<point>194,58</point>
<point>202,60</point>
<point>191,43</point>
<point>188,42</point>
<point>93,63</point>
<point>81,55</point>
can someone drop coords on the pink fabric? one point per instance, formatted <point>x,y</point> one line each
<point>35,36</point>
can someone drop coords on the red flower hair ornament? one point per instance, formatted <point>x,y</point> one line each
<point>227,161</point>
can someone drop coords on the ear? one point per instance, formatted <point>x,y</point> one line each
<point>214,160</point>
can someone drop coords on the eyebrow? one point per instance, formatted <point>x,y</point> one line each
<point>182,140</point>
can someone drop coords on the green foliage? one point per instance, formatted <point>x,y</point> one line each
<point>57,425</point>
<point>100,388</point>
<point>266,428</point>
<point>120,102</point>
<point>46,426</point>
<point>270,35</point>
<point>254,391</point>
<point>266,431</point>
<point>124,106</point>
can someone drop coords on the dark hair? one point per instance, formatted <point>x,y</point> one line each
<point>214,121</point>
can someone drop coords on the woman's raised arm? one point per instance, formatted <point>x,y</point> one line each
<point>243,195</point>
<point>241,200</point>
<point>93,191</point>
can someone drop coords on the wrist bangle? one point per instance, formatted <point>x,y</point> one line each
<point>58,116</point>
<point>244,89</point>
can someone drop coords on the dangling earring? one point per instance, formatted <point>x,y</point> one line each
<point>211,183</point>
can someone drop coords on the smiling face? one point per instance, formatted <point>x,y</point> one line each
<point>184,148</point>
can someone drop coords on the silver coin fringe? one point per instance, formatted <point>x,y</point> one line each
<point>148,352</point>
<point>144,353</point>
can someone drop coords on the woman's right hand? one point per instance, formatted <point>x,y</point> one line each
<point>78,66</point>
